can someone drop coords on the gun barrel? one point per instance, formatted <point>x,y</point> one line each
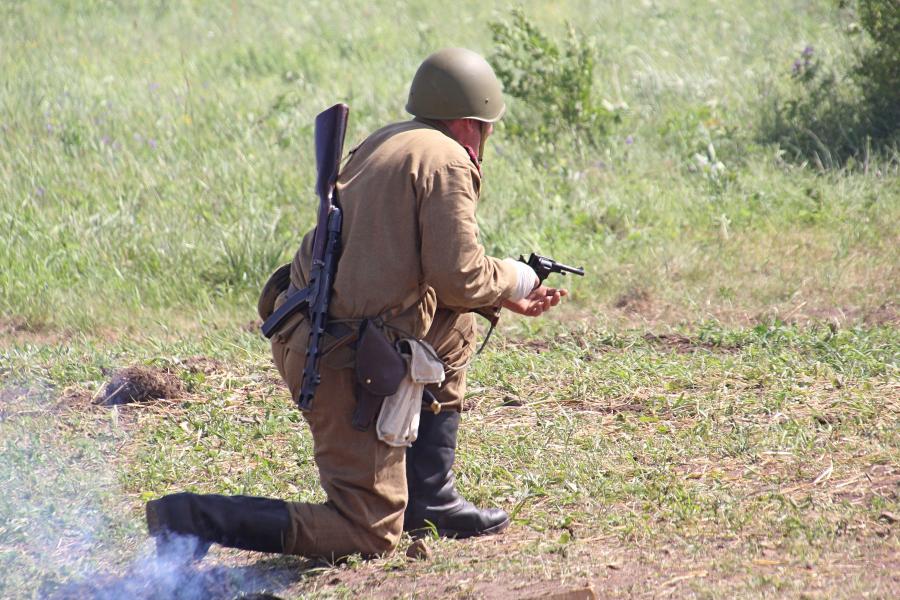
<point>567,269</point>
<point>544,266</point>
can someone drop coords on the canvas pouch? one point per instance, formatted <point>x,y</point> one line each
<point>398,422</point>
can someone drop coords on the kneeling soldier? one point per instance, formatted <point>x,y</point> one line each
<point>411,264</point>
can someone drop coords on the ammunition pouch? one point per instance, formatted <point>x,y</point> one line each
<point>379,370</point>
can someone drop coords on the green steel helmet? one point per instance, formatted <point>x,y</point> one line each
<point>455,83</point>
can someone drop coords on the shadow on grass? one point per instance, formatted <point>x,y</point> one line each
<point>833,132</point>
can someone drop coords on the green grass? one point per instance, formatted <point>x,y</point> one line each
<point>713,413</point>
<point>156,160</point>
<point>778,439</point>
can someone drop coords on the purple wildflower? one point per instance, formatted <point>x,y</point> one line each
<point>39,192</point>
<point>49,128</point>
<point>629,140</point>
<point>153,87</point>
<point>106,140</point>
<point>798,65</point>
<point>152,143</point>
<point>807,52</point>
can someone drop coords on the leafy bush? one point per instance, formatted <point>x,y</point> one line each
<point>554,82</point>
<point>834,115</point>
<point>820,119</point>
<point>878,71</point>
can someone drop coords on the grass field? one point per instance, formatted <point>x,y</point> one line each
<point>716,411</point>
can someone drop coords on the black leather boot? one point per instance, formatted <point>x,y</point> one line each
<point>244,522</point>
<point>432,493</point>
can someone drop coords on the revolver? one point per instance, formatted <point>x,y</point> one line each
<point>544,266</point>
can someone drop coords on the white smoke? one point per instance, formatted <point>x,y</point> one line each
<point>147,577</point>
<point>176,576</point>
<point>68,531</point>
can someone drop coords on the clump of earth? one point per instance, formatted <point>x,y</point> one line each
<point>139,384</point>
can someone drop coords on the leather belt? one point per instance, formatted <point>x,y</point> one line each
<point>298,300</point>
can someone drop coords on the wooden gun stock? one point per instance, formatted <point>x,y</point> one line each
<point>331,127</point>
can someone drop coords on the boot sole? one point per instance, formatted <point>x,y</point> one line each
<point>461,535</point>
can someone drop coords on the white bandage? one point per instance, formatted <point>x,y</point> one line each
<point>526,281</point>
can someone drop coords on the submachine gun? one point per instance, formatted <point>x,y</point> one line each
<point>331,126</point>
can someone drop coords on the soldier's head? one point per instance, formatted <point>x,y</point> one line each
<point>459,87</point>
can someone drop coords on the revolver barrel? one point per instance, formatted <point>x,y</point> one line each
<point>563,269</point>
<point>544,266</point>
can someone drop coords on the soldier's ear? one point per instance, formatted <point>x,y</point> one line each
<point>486,129</point>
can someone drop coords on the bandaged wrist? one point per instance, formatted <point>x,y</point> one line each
<point>526,279</point>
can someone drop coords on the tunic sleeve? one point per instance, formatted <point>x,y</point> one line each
<point>453,260</point>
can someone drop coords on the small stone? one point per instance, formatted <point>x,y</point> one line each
<point>889,517</point>
<point>419,550</point>
<point>512,401</point>
<point>583,593</point>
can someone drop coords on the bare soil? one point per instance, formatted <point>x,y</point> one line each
<point>600,568</point>
<point>139,384</point>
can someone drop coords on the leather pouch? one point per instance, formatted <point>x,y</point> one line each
<point>379,370</point>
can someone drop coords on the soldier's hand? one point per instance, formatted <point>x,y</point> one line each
<point>540,300</point>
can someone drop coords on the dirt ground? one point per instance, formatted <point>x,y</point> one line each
<point>595,568</point>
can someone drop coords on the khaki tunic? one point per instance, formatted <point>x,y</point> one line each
<point>411,253</point>
<point>408,195</point>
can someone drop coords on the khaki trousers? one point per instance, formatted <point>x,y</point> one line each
<point>364,479</point>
